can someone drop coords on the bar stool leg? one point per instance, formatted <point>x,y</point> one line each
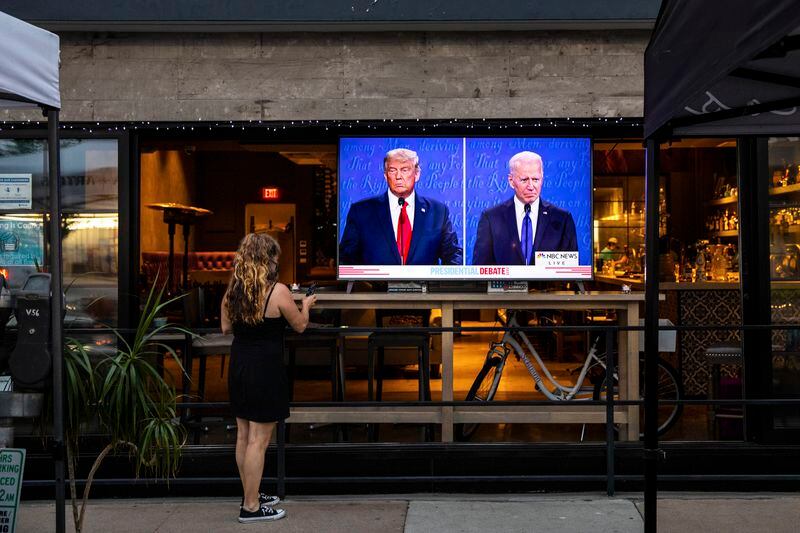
<point>371,429</point>
<point>342,434</point>
<point>370,369</point>
<point>291,369</point>
<point>711,407</point>
<point>426,369</point>
<point>420,376</point>
<point>340,367</point>
<point>290,375</point>
<point>425,384</point>
<point>201,379</point>
<point>715,377</point>
<point>334,388</point>
<point>379,374</point>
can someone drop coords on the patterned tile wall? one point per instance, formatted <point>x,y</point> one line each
<point>704,308</point>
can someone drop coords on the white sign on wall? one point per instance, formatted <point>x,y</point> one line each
<point>12,465</point>
<point>15,191</point>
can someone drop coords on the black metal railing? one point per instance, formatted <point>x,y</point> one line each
<point>610,332</point>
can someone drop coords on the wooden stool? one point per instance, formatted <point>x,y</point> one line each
<point>293,341</point>
<point>376,345</point>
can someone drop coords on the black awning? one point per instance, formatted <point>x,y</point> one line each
<point>721,67</point>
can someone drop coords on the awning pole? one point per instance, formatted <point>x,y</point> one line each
<point>651,451</point>
<point>56,319</point>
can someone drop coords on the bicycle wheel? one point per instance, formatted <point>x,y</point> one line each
<point>669,388</point>
<point>483,390</point>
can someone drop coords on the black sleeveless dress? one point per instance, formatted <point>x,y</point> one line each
<point>257,383</point>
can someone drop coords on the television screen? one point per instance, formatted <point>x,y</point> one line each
<point>428,208</point>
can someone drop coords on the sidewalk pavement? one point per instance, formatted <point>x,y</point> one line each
<point>422,513</point>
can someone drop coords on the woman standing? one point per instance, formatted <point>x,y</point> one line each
<point>256,309</point>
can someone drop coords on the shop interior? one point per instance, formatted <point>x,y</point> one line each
<point>223,189</point>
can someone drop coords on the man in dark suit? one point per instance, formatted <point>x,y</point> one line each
<point>399,227</point>
<point>511,232</point>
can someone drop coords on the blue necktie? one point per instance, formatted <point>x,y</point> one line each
<point>527,238</point>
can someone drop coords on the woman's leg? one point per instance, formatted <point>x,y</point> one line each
<point>259,436</point>
<point>242,436</point>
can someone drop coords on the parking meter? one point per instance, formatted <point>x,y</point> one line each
<point>31,361</point>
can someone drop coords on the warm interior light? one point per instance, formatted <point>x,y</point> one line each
<point>98,221</point>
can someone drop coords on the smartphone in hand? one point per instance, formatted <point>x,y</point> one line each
<point>312,289</point>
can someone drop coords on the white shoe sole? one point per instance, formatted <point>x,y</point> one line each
<point>277,516</point>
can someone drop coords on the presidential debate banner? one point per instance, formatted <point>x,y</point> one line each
<point>425,208</point>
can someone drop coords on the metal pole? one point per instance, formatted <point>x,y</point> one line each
<point>56,319</point>
<point>171,260</point>
<point>185,263</point>
<point>651,340</point>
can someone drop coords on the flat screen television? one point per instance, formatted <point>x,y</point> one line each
<point>465,208</point>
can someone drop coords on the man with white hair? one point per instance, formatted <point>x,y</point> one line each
<point>511,232</point>
<point>399,227</point>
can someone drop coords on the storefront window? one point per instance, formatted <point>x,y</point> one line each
<point>784,240</point>
<point>90,170</point>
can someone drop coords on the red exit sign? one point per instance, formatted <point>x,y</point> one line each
<point>270,193</point>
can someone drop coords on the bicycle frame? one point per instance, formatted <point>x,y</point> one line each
<point>555,391</point>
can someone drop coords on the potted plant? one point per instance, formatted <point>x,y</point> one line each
<point>126,394</point>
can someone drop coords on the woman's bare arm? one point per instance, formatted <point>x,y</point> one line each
<point>297,318</point>
<point>227,327</point>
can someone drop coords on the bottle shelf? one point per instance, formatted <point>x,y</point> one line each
<point>775,191</point>
<point>728,233</point>
<point>794,228</point>
<point>724,201</point>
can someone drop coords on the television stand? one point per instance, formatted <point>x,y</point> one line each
<point>406,286</point>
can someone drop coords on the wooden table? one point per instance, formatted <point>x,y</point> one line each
<point>626,306</point>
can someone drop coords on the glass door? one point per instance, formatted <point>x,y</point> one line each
<point>784,264</point>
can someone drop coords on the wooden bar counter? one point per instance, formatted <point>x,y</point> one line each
<point>626,306</point>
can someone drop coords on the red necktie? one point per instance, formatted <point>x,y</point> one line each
<point>403,234</point>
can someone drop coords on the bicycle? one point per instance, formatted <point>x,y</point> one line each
<point>594,367</point>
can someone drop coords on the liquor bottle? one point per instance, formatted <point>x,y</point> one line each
<point>785,180</point>
<point>700,266</point>
<point>777,176</point>
<point>719,265</point>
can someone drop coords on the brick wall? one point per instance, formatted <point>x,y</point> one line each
<point>301,76</point>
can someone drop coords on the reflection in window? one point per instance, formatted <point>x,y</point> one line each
<point>89,258</point>
<point>90,203</point>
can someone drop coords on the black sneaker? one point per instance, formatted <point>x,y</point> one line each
<point>265,499</point>
<point>264,512</point>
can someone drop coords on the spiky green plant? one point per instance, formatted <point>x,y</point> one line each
<point>135,405</point>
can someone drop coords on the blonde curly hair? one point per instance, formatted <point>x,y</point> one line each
<point>255,271</point>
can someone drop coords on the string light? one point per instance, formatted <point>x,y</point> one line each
<point>408,126</point>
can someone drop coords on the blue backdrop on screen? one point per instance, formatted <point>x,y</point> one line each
<point>567,181</point>
<point>441,178</point>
